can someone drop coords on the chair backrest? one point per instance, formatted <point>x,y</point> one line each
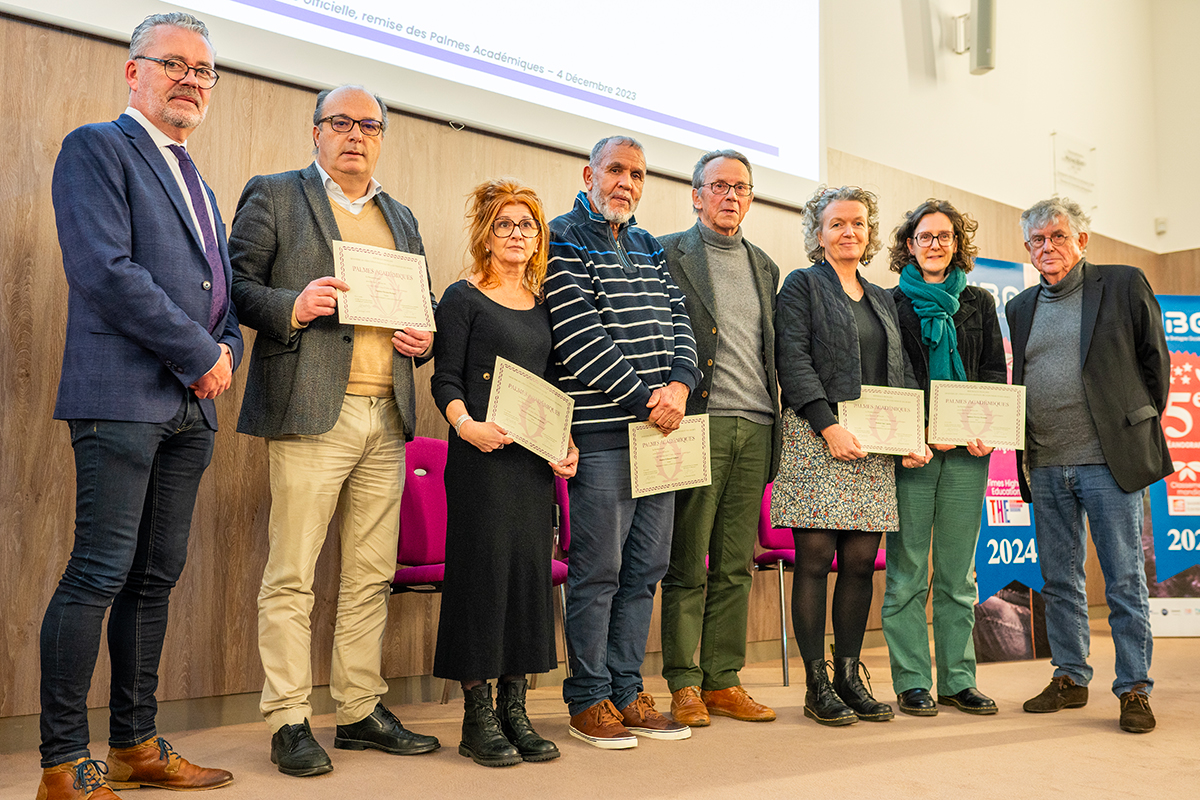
<point>563,499</point>
<point>771,538</point>
<point>423,504</point>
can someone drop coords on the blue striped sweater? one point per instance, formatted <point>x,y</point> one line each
<point>619,324</point>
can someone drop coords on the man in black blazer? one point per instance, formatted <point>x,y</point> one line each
<point>1088,342</point>
<point>336,405</point>
<point>151,340</point>
<point>730,286</point>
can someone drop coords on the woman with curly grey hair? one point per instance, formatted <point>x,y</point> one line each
<point>951,333</point>
<point>835,332</point>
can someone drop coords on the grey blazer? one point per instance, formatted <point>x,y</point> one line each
<point>688,265</point>
<point>280,242</point>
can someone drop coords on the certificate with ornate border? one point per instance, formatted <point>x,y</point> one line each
<point>536,415</point>
<point>886,420</point>
<point>660,463</point>
<point>962,411</point>
<point>388,288</point>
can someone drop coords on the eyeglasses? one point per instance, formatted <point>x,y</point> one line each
<point>721,188</point>
<point>343,124</point>
<point>177,70</point>
<point>925,238</point>
<point>503,228</point>
<point>1058,239</point>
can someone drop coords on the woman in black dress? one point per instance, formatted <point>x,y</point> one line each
<point>497,607</point>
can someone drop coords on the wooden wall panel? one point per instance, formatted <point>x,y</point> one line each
<point>56,80</point>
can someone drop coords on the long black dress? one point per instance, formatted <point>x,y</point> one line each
<point>497,604</point>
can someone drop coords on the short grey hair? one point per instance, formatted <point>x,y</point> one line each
<point>319,111</point>
<point>143,33</point>
<point>814,212</point>
<point>713,155</point>
<point>598,148</point>
<point>1044,212</point>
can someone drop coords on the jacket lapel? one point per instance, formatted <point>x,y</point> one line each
<point>157,163</point>
<point>1093,292</point>
<point>694,264</point>
<point>318,201</point>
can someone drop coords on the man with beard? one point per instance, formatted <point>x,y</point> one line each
<point>626,353</point>
<point>151,339</point>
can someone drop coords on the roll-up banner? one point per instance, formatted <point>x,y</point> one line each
<point>1173,545</point>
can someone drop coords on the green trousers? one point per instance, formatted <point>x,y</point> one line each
<point>940,508</point>
<point>708,607</point>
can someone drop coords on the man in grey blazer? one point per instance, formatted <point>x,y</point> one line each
<point>707,605</point>
<point>336,406</point>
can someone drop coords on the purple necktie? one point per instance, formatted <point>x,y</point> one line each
<point>192,179</point>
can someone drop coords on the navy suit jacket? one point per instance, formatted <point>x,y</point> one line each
<point>137,306</point>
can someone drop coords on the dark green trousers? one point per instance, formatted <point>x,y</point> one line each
<point>708,607</point>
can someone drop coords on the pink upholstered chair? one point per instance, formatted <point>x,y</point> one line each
<point>422,553</point>
<point>779,553</point>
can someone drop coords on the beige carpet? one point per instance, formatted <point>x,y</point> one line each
<point>1072,754</point>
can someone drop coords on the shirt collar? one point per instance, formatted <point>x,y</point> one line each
<point>335,191</point>
<point>160,138</point>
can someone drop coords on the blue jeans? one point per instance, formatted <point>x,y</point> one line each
<point>135,487</point>
<point>1061,497</point>
<point>620,547</point>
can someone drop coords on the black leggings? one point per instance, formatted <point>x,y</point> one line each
<point>856,552</point>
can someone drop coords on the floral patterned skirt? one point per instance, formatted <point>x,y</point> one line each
<point>815,490</point>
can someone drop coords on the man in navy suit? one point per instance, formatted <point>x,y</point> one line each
<point>151,339</point>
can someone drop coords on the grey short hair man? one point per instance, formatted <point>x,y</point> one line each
<point>730,285</point>
<point>1088,341</point>
<point>336,404</point>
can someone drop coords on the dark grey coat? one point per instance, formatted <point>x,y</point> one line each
<point>688,265</point>
<point>280,242</point>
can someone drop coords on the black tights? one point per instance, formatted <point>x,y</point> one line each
<point>851,594</point>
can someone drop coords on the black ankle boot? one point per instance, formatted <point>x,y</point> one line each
<point>482,739</point>
<point>820,703</point>
<point>849,687</point>
<point>515,724</point>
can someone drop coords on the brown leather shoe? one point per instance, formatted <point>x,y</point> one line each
<point>155,763</point>
<point>600,726</point>
<point>1062,692</point>
<point>688,708</point>
<point>737,703</point>
<point>82,779</point>
<point>641,718</point>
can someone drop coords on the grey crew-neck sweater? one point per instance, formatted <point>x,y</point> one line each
<point>1061,429</point>
<point>739,386</point>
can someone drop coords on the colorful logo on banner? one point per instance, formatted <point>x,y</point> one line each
<point>1175,500</point>
<point>1007,549</point>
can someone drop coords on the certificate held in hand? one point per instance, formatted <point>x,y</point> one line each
<point>388,288</point>
<point>659,463</point>
<point>536,415</point>
<point>886,420</point>
<point>962,411</point>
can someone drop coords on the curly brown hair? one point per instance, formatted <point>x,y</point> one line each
<point>483,206</point>
<point>814,210</point>
<point>964,231</point>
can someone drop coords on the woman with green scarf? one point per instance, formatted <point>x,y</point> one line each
<point>950,332</point>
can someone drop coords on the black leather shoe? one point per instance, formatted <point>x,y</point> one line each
<point>821,704</point>
<point>515,724</point>
<point>847,682</point>
<point>296,752</point>
<point>382,731</point>
<point>482,740</point>
<point>970,700</point>
<point>917,702</point>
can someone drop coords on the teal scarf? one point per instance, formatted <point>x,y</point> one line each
<point>936,304</point>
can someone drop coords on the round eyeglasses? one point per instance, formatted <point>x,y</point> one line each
<point>925,238</point>
<point>504,228</point>
<point>177,70</point>
<point>1058,239</point>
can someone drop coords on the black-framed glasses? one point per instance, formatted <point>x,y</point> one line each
<point>343,124</point>
<point>504,228</point>
<point>177,70</point>
<point>925,238</point>
<point>1058,239</point>
<point>721,188</point>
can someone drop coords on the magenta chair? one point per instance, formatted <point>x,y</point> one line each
<point>422,552</point>
<point>558,566</point>
<point>779,553</point>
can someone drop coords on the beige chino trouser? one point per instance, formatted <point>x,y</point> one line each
<point>364,452</point>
